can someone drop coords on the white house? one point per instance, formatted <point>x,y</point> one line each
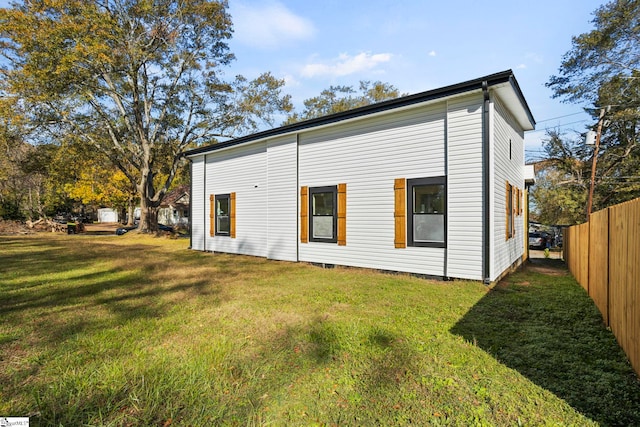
<point>431,184</point>
<point>174,209</point>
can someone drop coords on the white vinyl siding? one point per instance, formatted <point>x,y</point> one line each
<point>442,137</point>
<point>506,131</point>
<point>368,155</point>
<point>198,199</point>
<point>464,184</point>
<point>282,203</point>
<point>241,170</point>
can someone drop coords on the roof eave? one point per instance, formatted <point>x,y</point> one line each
<point>431,95</point>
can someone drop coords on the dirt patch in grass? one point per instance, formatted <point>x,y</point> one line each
<point>101,228</point>
<point>550,267</point>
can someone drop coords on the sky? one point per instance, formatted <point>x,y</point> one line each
<point>416,45</point>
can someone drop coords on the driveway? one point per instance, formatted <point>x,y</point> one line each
<point>533,253</point>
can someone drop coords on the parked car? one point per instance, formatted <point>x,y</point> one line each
<point>123,230</point>
<point>538,240</point>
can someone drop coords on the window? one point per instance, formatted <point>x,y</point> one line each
<point>222,215</point>
<point>222,211</point>
<point>328,219</point>
<point>509,211</point>
<point>323,222</point>
<point>427,212</point>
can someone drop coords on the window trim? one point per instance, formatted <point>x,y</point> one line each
<point>215,210</point>
<point>326,189</point>
<point>411,183</point>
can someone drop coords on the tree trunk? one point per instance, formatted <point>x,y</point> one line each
<point>148,208</point>
<point>148,217</point>
<point>131,210</point>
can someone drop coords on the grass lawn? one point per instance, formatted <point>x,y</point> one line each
<point>132,330</point>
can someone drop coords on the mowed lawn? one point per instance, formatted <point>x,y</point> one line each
<point>133,330</point>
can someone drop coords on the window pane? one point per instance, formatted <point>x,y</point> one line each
<point>322,204</point>
<point>223,224</point>
<point>222,207</point>
<point>428,199</point>
<point>323,227</point>
<point>428,228</point>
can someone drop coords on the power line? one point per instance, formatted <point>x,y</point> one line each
<point>560,117</point>
<point>560,126</point>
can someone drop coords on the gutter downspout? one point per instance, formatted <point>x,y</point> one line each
<point>190,203</point>
<point>486,186</point>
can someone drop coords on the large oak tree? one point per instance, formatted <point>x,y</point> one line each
<point>602,71</point>
<point>139,80</point>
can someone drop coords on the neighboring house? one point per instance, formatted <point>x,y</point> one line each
<point>174,208</point>
<point>431,183</point>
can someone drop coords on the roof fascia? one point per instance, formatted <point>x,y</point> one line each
<point>371,110</point>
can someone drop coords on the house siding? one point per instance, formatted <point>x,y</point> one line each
<point>368,152</point>
<point>506,252</point>
<point>464,180</point>
<point>282,201</point>
<point>368,155</point>
<point>241,170</point>
<point>198,199</point>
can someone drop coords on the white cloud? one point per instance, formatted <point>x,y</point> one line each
<point>521,67</point>
<point>291,80</point>
<point>268,25</point>
<point>432,53</point>
<point>345,64</point>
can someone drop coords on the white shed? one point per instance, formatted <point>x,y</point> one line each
<point>107,215</point>
<point>431,184</point>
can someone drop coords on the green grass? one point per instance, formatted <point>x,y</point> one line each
<point>140,331</point>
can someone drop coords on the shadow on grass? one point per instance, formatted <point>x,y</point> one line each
<point>64,287</point>
<point>541,323</point>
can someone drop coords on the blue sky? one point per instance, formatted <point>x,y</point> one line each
<point>414,45</point>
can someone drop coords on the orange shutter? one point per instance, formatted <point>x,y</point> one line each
<point>507,210</point>
<point>304,215</point>
<point>232,215</point>
<point>521,198</point>
<point>514,211</point>
<point>400,215</point>
<point>342,214</point>
<point>212,215</point>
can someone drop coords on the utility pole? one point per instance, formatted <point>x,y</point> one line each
<point>593,163</point>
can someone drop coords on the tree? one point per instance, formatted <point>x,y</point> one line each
<point>23,168</point>
<point>603,70</point>
<point>563,177</point>
<point>562,181</point>
<point>611,50</point>
<point>139,80</point>
<point>342,98</point>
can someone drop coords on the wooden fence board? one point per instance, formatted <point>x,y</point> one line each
<point>598,261</point>
<point>582,258</point>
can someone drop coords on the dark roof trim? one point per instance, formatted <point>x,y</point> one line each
<point>475,84</point>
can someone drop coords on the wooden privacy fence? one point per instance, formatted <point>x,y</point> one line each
<point>604,257</point>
